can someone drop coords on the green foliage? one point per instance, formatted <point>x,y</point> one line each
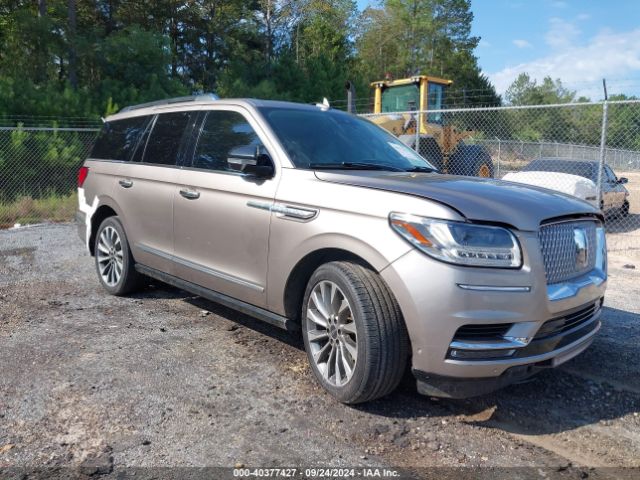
<point>526,91</point>
<point>303,50</point>
<point>37,163</point>
<point>431,37</point>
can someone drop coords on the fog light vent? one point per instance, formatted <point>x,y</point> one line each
<point>457,354</point>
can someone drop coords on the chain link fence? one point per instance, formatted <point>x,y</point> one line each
<point>38,169</point>
<point>588,150</point>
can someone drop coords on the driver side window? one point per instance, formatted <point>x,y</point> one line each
<point>222,131</point>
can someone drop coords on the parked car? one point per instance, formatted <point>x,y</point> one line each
<point>578,178</point>
<point>318,221</point>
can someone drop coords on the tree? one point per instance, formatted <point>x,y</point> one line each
<point>526,91</point>
<point>432,37</point>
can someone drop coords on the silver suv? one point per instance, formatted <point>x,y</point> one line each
<point>318,221</point>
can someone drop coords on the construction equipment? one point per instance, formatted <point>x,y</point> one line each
<point>407,103</point>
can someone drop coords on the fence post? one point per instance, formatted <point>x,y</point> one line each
<point>417,146</point>
<point>499,151</point>
<point>603,146</point>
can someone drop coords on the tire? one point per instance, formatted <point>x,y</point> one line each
<point>372,322</point>
<point>114,263</point>
<point>624,211</point>
<point>471,161</point>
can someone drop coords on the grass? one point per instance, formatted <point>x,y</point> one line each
<point>25,210</point>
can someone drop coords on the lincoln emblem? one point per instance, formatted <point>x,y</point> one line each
<point>580,240</point>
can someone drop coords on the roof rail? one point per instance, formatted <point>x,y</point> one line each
<point>168,101</point>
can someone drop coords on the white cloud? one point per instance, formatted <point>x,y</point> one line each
<point>483,44</point>
<point>561,33</point>
<point>606,54</point>
<point>522,43</point>
<point>559,4</point>
<point>583,16</point>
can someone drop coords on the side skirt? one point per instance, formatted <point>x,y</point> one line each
<point>246,308</point>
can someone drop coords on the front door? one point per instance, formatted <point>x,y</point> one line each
<point>222,217</point>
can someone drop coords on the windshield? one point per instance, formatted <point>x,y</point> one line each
<point>582,169</point>
<point>316,138</point>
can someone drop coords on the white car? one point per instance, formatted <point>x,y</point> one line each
<point>577,178</point>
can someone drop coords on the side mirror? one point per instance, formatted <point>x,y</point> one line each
<point>251,160</point>
<point>623,180</point>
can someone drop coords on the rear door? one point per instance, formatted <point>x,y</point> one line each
<point>222,217</point>
<point>146,187</point>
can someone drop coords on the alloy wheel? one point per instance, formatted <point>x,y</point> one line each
<point>331,333</point>
<point>110,256</point>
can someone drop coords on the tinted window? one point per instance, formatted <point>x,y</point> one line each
<point>582,169</point>
<point>221,132</point>
<point>313,137</point>
<point>164,141</point>
<point>118,139</point>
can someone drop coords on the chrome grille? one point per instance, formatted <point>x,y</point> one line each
<point>559,250</point>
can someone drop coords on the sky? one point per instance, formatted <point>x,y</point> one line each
<point>578,41</point>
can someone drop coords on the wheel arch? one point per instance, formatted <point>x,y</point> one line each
<point>105,209</point>
<point>302,271</point>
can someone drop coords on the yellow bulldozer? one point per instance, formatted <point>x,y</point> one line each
<point>405,107</point>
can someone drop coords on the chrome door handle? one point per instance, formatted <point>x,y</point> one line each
<point>126,183</point>
<point>189,194</point>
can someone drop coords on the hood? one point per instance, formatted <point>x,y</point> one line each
<point>521,206</point>
<point>562,182</point>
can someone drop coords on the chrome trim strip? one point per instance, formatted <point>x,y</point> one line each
<point>201,268</point>
<point>492,288</point>
<point>285,211</point>
<point>507,343</point>
<point>517,342</point>
<point>588,338</point>
<point>260,205</point>
<point>562,291</point>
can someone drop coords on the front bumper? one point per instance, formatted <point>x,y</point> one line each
<point>437,299</point>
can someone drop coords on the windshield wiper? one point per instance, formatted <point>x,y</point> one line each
<point>421,169</point>
<point>355,166</point>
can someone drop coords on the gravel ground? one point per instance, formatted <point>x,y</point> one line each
<point>94,384</point>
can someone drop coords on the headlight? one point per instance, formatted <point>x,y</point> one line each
<point>459,243</point>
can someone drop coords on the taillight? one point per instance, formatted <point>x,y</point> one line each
<point>82,175</point>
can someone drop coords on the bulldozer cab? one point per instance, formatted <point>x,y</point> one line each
<point>421,92</point>
<point>442,145</point>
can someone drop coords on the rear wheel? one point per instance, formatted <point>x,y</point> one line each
<point>353,332</point>
<point>114,263</point>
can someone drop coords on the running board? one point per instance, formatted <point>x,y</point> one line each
<point>246,308</point>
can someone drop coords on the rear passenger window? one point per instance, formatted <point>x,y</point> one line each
<point>164,141</point>
<point>118,139</point>
<point>221,132</point>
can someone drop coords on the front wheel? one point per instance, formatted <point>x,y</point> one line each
<point>353,332</point>
<point>114,263</point>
